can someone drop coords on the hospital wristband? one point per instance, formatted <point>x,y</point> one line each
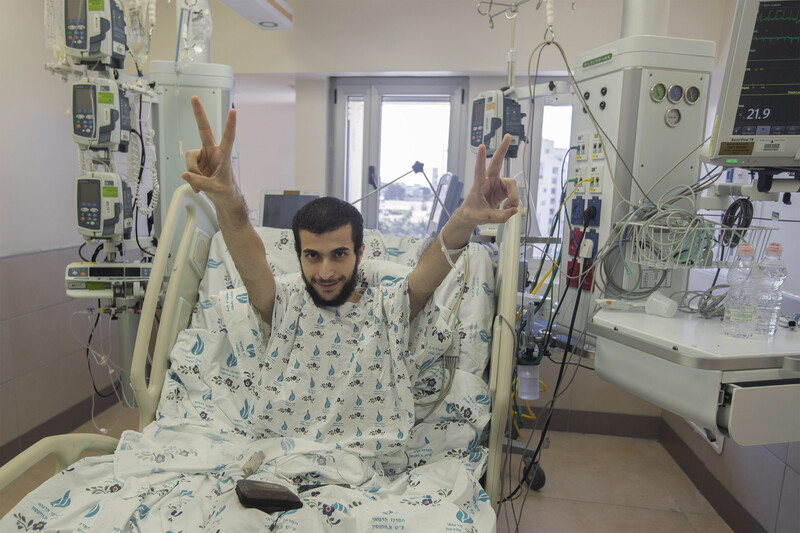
<point>447,253</point>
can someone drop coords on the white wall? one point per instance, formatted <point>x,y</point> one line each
<point>38,160</point>
<point>265,133</point>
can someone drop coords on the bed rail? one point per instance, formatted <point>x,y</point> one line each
<point>181,261</point>
<point>66,448</point>
<point>503,346</point>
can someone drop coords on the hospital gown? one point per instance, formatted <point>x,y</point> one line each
<point>327,397</point>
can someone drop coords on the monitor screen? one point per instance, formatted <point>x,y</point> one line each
<point>758,115</point>
<point>278,207</point>
<point>449,192</point>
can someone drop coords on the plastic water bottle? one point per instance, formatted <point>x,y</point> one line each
<point>739,318</point>
<point>772,272</point>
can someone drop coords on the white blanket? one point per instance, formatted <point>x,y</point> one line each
<point>380,470</point>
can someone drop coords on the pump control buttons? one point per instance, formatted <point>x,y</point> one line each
<point>658,91</point>
<point>692,95</point>
<point>675,93</point>
<point>672,117</point>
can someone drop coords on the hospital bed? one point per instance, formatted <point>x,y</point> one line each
<point>178,272</point>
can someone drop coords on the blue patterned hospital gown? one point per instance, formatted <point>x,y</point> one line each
<point>340,374</point>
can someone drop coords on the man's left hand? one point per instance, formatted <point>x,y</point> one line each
<point>489,190</point>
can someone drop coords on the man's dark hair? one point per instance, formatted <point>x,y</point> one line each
<point>322,215</point>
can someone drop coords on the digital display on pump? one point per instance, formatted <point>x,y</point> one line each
<point>84,96</point>
<point>76,9</point>
<point>89,192</point>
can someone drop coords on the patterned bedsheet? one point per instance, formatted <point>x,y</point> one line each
<point>180,472</point>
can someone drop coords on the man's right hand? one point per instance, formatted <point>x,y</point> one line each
<point>209,168</point>
<point>209,171</point>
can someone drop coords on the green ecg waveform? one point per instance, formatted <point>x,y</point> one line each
<point>779,16</point>
<point>782,38</point>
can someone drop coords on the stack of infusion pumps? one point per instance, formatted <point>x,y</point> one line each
<point>94,36</point>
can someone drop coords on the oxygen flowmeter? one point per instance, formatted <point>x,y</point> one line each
<point>94,32</point>
<point>103,206</point>
<point>493,115</point>
<point>101,116</point>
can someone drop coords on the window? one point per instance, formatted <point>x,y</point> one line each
<point>382,127</point>
<point>555,138</point>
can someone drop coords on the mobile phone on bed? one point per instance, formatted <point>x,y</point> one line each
<point>267,497</point>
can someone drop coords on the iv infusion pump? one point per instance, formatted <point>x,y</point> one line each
<point>101,116</point>
<point>94,32</point>
<point>493,115</point>
<point>103,206</point>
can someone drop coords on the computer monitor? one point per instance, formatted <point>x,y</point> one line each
<point>278,207</point>
<point>757,125</point>
<point>449,192</point>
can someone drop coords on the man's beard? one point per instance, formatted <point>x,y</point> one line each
<point>347,290</point>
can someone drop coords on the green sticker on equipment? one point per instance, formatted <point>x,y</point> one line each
<point>597,60</point>
<point>96,5</point>
<point>110,192</point>
<point>95,285</point>
<point>105,98</point>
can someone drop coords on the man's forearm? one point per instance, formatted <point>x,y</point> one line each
<point>433,266</point>
<point>248,253</point>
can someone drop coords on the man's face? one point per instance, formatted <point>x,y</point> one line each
<point>329,265</point>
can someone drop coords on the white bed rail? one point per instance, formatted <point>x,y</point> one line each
<point>181,260</point>
<point>67,449</point>
<point>503,345</point>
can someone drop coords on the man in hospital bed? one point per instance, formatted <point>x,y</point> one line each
<point>329,242</point>
<point>327,386</point>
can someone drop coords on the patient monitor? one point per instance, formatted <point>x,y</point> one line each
<point>757,124</point>
<point>448,194</point>
<point>278,207</point>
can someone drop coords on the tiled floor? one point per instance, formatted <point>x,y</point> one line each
<point>593,484</point>
<point>597,483</point>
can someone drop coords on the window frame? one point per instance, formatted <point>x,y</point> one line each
<point>374,90</point>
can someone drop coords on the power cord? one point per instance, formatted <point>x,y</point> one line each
<point>588,217</point>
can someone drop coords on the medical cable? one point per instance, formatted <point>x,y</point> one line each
<point>549,405</point>
<point>545,342</point>
<point>555,226</point>
<point>534,458</point>
<point>738,215</point>
<point>136,193</point>
<point>103,361</point>
<point>96,253</point>
<point>147,149</point>
<point>449,362</point>
<point>709,305</point>
<point>676,165</point>
<point>597,126</point>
